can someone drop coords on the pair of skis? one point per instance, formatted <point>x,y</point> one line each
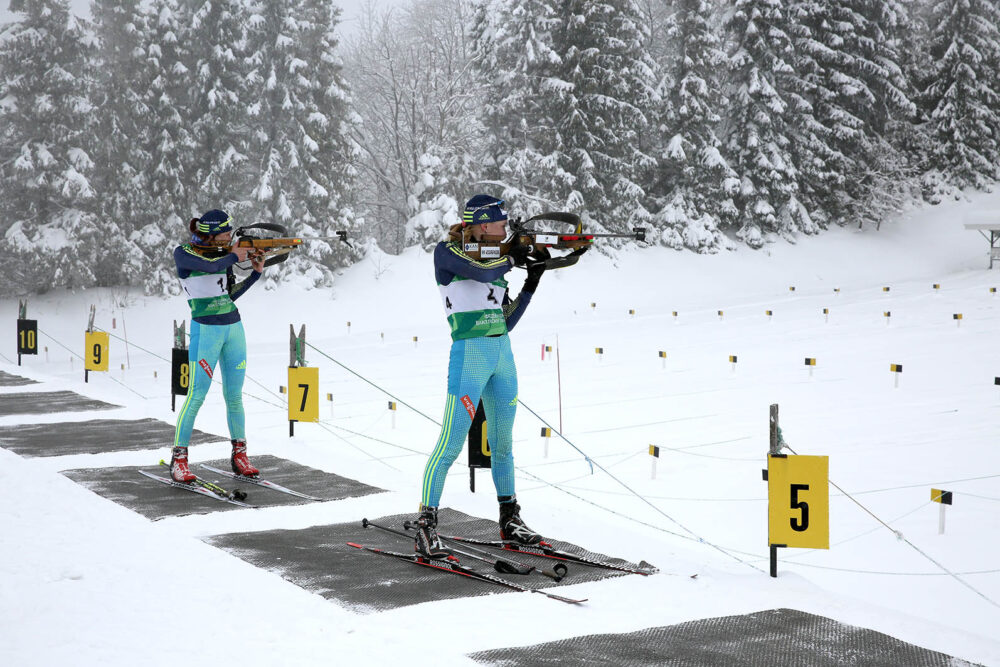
<point>501,564</point>
<point>235,497</point>
<point>546,550</point>
<point>452,565</point>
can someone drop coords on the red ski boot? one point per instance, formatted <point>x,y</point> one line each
<point>179,470</point>
<point>239,461</point>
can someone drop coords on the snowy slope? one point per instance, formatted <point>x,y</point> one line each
<point>84,581</point>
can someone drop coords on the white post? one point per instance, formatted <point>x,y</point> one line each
<point>941,519</point>
<point>653,475</point>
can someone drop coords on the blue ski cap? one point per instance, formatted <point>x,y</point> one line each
<point>214,222</point>
<point>482,209</point>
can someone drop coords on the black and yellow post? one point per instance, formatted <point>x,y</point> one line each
<point>479,446</point>
<point>96,347</point>
<point>895,369</point>
<point>546,434</point>
<point>770,314</point>
<point>944,498</point>
<point>180,366</point>
<point>732,362</point>
<point>798,498</point>
<point>303,382</point>
<point>600,353</point>
<point>392,409</point>
<point>958,319</point>
<point>27,332</point>
<point>662,354</point>
<point>654,453</point>
<point>811,363</point>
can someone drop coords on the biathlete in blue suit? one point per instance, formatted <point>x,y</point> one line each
<point>481,365</point>
<point>204,267</point>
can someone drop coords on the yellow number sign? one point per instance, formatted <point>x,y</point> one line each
<point>95,357</point>
<point>798,495</point>
<point>303,394</point>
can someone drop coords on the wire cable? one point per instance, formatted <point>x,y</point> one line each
<point>899,535</point>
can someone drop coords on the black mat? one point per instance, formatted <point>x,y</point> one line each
<point>8,380</point>
<point>766,638</point>
<point>154,500</point>
<point>96,436</point>
<point>319,560</point>
<point>34,403</point>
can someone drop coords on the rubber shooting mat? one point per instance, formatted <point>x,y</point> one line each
<point>8,380</point>
<point>155,500</point>
<point>765,639</point>
<point>97,436</point>
<point>318,559</point>
<point>33,403</point>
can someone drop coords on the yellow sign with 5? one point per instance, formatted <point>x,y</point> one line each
<point>798,495</point>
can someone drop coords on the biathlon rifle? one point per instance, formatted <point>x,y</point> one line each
<point>541,242</point>
<point>275,248</point>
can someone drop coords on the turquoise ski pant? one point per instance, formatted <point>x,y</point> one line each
<point>478,368</point>
<point>211,344</point>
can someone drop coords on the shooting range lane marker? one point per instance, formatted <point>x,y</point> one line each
<point>896,370</point>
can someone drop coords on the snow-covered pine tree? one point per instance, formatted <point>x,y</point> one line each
<point>757,144</point>
<point>515,55</point>
<point>220,99</point>
<point>847,56</point>
<point>963,94</point>
<point>169,145</point>
<point>298,151</point>
<point>692,178</point>
<point>121,175</point>
<point>605,82</point>
<point>328,165</point>
<point>47,209</point>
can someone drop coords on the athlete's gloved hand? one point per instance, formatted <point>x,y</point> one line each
<point>518,251</point>
<point>535,270</point>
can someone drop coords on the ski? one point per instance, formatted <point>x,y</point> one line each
<point>195,489</point>
<point>506,565</point>
<point>546,550</point>
<point>259,482</point>
<point>235,494</point>
<point>452,565</point>
<point>501,565</point>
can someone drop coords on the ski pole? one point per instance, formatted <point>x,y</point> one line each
<point>500,565</point>
<point>557,572</point>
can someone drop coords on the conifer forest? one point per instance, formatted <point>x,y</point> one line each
<point>712,124</point>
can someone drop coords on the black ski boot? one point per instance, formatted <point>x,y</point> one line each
<point>427,543</point>
<point>511,526</point>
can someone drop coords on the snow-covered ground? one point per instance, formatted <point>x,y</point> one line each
<point>85,581</point>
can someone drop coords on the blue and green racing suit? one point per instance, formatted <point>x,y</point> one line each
<point>217,336</point>
<point>481,365</point>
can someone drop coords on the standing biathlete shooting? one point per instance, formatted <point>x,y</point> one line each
<point>481,366</point>
<point>204,267</point>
